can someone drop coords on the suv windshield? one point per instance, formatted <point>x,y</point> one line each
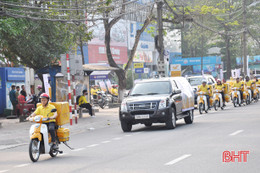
<point>151,88</point>
<point>195,81</point>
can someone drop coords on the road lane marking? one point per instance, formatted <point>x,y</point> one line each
<point>79,149</point>
<point>93,145</point>
<point>22,165</point>
<point>236,132</point>
<point>105,142</point>
<point>178,159</point>
<point>2,171</point>
<point>128,135</point>
<point>116,139</point>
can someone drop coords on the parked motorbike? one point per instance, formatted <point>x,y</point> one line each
<point>218,101</point>
<point>41,139</point>
<point>102,99</point>
<point>202,102</point>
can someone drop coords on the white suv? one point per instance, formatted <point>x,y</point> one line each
<point>195,81</point>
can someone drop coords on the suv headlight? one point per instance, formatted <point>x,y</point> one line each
<point>123,106</point>
<point>162,104</point>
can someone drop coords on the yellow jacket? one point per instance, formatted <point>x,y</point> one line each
<point>94,91</point>
<point>45,111</point>
<point>204,89</point>
<point>219,87</point>
<point>238,85</point>
<point>82,100</point>
<point>114,91</point>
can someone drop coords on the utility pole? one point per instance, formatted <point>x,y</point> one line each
<point>202,49</point>
<point>161,64</point>
<point>244,39</point>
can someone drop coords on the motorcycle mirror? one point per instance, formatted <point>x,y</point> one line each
<point>53,110</point>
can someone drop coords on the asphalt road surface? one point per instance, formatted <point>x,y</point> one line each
<point>191,148</point>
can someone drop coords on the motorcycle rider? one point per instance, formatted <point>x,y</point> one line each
<point>84,104</point>
<point>94,91</point>
<point>45,111</point>
<point>205,88</point>
<point>249,84</point>
<point>239,84</point>
<point>114,91</point>
<point>221,87</point>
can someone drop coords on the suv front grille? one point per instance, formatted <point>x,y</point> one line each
<point>142,106</point>
<point>142,112</point>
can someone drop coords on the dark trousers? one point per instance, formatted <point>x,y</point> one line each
<point>51,128</point>
<point>207,96</point>
<point>14,103</point>
<point>223,98</point>
<point>87,106</point>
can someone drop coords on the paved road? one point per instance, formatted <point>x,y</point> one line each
<point>191,148</point>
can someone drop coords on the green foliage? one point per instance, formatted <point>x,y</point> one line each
<point>34,44</point>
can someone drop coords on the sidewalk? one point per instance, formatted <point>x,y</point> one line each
<point>13,133</point>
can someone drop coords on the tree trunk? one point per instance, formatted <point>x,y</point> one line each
<point>228,58</point>
<point>81,49</point>
<point>121,74</point>
<point>40,76</point>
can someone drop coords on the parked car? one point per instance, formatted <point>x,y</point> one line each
<point>195,81</point>
<point>163,100</point>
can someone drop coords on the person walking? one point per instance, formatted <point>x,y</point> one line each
<point>12,97</point>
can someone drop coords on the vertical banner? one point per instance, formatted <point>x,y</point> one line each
<point>46,83</point>
<point>221,74</point>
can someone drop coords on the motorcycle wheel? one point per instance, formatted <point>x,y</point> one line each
<point>34,150</point>
<point>247,100</point>
<point>53,153</point>
<point>200,108</point>
<point>216,105</point>
<point>235,102</point>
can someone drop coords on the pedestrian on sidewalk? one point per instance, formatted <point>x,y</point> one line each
<point>84,104</point>
<point>17,93</point>
<point>23,92</point>
<point>13,98</point>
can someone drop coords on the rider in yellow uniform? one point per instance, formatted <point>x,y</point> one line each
<point>94,91</point>
<point>239,84</point>
<point>45,111</point>
<point>114,90</point>
<point>221,87</point>
<point>249,83</point>
<point>205,88</point>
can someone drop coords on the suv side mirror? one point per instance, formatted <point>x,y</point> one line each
<point>176,91</point>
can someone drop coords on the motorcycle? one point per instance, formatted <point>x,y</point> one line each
<point>218,101</point>
<point>102,99</point>
<point>41,140</point>
<point>236,96</point>
<point>255,92</point>
<point>202,102</point>
<point>247,96</point>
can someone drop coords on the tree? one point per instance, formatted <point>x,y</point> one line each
<point>35,44</point>
<point>108,24</point>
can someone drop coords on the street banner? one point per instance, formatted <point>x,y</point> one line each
<point>139,70</point>
<point>46,83</point>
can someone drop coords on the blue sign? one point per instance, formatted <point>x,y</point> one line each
<point>98,77</point>
<point>251,60</point>
<point>139,70</point>
<point>15,74</point>
<point>196,60</point>
<point>206,68</point>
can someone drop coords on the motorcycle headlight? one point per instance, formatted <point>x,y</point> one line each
<point>123,106</point>
<point>162,104</point>
<point>37,118</point>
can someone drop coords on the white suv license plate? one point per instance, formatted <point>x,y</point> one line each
<point>142,116</point>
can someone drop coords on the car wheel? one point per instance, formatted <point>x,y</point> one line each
<point>171,122</point>
<point>189,119</point>
<point>126,127</point>
<point>148,124</point>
